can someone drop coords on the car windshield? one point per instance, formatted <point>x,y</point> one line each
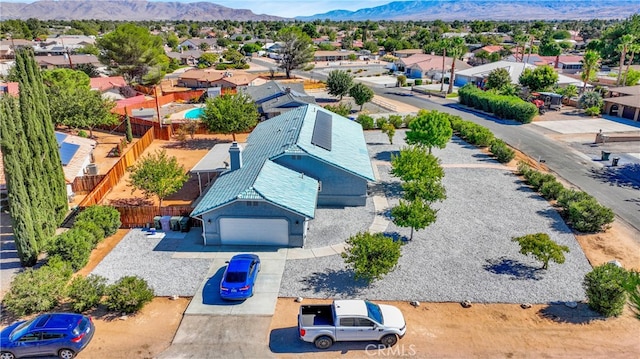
<point>21,329</point>
<point>236,277</point>
<point>374,312</point>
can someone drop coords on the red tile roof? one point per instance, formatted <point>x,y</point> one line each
<point>107,83</point>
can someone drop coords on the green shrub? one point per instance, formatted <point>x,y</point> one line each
<point>342,109</point>
<point>568,196</point>
<point>536,179</point>
<point>371,256</point>
<point>509,107</point>
<point>589,216</point>
<point>128,295</point>
<point>381,121</point>
<point>222,66</point>
<point>83,134</point>
<point>107,217</point>
<point>86,292</point>
<point>407,120</point>
<point>73,246</point>
<point>592,111</point>
<point>476,134</point>
<point>542,248</point>
<point>365,121</point>
<point>396,121</point>
<point>418,82</point>
<point>37,290</point>
<point>95,231</point>
<point>503,153</point>
<point>605,289</point>
<point>551,189</point>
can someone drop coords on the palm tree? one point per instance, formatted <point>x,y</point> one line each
<point>623,47</point>
<point>520,40</point>
<point>444,43</point>
<point>589,67</point>
<point>456,51</point>
<point>633,48</point>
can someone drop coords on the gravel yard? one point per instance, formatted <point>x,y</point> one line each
<point>468,253</point>
<point>151,258</point>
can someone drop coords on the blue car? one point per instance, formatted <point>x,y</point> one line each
<point>240,276</point>
<point>55,334</point>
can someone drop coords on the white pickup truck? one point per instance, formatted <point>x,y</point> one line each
<point>350,320</point>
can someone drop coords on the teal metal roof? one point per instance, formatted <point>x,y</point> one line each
<point>287,188</point>
<point>260,178</point>
<point>348,146</point>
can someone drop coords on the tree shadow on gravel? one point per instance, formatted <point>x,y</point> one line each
<point>386,155</point>
<point>389,189</point>
<point>334,283</point>
<point>560,313</point>
<point>513,268</point>
<point>558,223</point>
<point>194,144</point>
<point>623,176</point>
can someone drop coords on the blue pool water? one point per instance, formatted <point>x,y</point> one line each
<point>193,114</point>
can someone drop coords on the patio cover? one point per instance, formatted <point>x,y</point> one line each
<point>215,161</point>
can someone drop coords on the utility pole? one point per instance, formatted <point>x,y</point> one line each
<point>155,92</point>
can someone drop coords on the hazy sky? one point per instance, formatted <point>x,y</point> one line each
<point>292,8</point>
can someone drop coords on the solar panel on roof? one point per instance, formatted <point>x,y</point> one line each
<point>321,136</point>
<point>67,151</point>
<point>60,137</point>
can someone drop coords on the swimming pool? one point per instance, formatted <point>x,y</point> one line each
<point>193,114</point>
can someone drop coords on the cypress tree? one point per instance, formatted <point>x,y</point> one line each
<point>14,154</point>
<point>129,133</point>
<point>46,168</point>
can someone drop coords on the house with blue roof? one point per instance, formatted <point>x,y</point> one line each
<point>292,163</point>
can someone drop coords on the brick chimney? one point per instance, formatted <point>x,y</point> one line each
<point>235,156</point>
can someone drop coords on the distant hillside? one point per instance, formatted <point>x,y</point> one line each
<point>448,10</point>
<point>125,10</point>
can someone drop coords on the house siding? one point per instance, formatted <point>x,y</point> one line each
<point>339,188</point>
<point>240,209</point>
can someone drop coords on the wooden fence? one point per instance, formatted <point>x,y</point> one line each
<point>85,184</point>
<point>114,175</point>
<point>142,216</point>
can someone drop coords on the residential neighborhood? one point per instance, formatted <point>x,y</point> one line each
<point>270,188</point>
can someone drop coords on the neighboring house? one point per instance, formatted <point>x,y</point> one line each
<point>623,102</point>
<point>274,99</point>
<point>186,57</point>
<point>304,158</point>
<point>7,47</point>
<point>407,53</point>
<point>215,78</point>
<point>426,66</point>
<point>66,61</point>
<point>114,87</point>
<point>76,155</point>
<point>477,75</point>
<point>329,56</point>
<point>195,43</point>
<point>62,44</point>
<point>9,88</point>
<point>568,64</point>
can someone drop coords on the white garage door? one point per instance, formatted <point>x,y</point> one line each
<point>255,231</point>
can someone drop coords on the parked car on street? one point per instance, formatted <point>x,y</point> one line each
<point>54,334</point>
<point>350,320</point>
<point>239,277</point>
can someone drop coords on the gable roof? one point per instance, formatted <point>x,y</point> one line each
<point>515,69</point>
<point>290,133</point>
<point>272,95</point>
<point>107,83</point>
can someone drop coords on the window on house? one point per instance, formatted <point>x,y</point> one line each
<point>319,186</point>
<point>252,204</point>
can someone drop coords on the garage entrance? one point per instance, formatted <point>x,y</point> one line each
<point>254,231</point>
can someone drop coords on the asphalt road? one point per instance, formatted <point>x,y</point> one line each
<point>558,157</point>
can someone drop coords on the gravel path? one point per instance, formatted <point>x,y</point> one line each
<point>150,258</point>
<point>342,224</point>
<point>468,253</point>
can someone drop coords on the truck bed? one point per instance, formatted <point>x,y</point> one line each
<point>316,315</point>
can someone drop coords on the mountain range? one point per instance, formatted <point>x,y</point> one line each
<point>125,10</point>
<point>447,10</point>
